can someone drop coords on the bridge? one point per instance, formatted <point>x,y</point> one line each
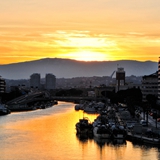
<point>77,99</point>
<point>29,101</point>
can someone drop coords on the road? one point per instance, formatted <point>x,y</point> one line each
<point>151,121</point>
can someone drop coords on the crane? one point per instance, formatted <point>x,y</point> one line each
<point>112,74</point>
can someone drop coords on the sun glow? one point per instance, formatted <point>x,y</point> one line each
<point>85,46</point>
<point>88,56</point>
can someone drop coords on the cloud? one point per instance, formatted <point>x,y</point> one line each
<point>31,43</point>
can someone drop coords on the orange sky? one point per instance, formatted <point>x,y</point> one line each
<point>82,30</point>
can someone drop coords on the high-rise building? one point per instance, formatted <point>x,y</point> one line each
<point>159,80</point>
<point>35,81</point>
<point>149,85</point>
<point>120,77</point>
<point>2,85</point>
<point>50,81</point>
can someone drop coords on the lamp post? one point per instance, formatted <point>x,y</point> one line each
<point>156,119</point>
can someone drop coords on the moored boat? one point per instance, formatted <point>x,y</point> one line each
<point>90,109</point>
<point>118,132</point>
<point>84,126</point>
<point>102,131</point>
<point>4,110</point>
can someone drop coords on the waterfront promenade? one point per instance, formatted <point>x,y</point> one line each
<point>149,134</point>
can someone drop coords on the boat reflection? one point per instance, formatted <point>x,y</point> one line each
<point>114,142</point>
<point>83,138</point>
<point>101,141</point>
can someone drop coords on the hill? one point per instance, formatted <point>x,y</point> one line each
<point>71,68</point>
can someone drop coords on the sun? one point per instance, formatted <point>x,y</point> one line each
<point>86,47</point>
<point>88,56</point>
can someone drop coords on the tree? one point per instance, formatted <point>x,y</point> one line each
<point>152,99</point>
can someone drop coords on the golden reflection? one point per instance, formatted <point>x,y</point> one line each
<point>49,132</point>
<point>53,136</point>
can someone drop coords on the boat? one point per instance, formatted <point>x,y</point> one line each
<point>102,131</point>
<point>77,107</point>
<point>21,107</point>
<point>94,107</point>
<point>101,127</point>
<point>84,126</point>
<point>101,118</point>
<point>4,110</point>
<point>81,105</point>
<point>90,108</point>
<point>118,132</point>
<point>100,107</point>
<point>102,141</point>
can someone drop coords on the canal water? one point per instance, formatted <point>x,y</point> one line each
<point>50,134</point>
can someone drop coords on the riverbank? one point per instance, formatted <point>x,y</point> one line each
<point>119,117</point>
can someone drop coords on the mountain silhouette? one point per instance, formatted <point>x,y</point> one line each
<point>68,68</point>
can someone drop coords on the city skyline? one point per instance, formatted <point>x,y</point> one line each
<point>104,30</point>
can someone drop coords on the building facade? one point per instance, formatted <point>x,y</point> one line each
<point>50,83</point>
<point>35,81</point>
<point>159,80</point>
<point>120,78</point>
<point>149,85</point>
<point>2,85</point>
<point>100,91</point>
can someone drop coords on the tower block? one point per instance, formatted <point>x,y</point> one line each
<point>120,77</point>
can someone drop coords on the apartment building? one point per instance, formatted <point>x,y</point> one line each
<point>35,81</point>
<point>149,85</point>
<point>2,85</point>
<point>50,81</point>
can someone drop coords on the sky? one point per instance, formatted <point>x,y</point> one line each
<point>101,30</point>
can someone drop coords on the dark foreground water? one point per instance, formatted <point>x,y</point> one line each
<point>50,135</point>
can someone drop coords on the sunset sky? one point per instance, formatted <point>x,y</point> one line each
<point>79,29</point>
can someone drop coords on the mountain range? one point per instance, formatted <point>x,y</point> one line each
<point>68,68</point>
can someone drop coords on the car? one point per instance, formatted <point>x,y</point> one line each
<point>150,113</point>
<point>130,125</point>
<point>143,122</point>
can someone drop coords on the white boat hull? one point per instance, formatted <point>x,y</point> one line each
<point>100,135</point>
<point>118,136</point>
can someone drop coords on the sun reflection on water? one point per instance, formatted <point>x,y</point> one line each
<point>52,136</point>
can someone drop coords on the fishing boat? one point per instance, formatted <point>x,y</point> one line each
<point>102,131</point>
<point>4,110</point>
<point>90,109</point>
<point>118,132</point>
<point>84,126</point>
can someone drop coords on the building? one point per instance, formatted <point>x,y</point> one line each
<point>120,78</point>
<point>50,83</point>
<point>149,85</point>
<point>101,90</point>
<point>2,85</point>
<point>159,81</point>
<point>35,81</point>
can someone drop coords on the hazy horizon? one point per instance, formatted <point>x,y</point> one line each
<point>67,68</point>
<point>77,60</point>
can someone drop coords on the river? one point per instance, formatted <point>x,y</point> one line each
<point>50,134</point>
